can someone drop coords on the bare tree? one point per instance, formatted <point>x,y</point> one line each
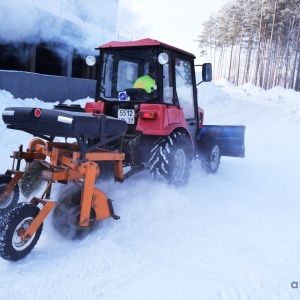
<point>269,50</point>
<point>260,42</point>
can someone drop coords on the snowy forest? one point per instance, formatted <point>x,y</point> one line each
<point>255,41</point>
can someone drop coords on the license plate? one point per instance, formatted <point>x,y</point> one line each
<point>126,115</point>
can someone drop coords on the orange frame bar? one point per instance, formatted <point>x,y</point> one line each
<point>39,219</point>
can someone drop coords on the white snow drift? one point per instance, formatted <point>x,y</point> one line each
<point>232,235</point>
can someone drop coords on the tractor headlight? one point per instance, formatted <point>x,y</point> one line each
<point>163,58</point>
<point>90,60</point>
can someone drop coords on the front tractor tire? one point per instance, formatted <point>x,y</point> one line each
<point>171,159</point>
<point>212,160</point>
<point>13,198</point>
<point>13,224</point>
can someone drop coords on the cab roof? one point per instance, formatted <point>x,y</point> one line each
<point>141,43</point>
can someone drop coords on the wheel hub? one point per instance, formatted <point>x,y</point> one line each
<point>215,157</point>
<point>17,242</point>
<point>179,164</point>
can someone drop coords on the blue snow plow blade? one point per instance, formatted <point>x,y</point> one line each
<point>231,139</point>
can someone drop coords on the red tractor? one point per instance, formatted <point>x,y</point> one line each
<point>156,126</point>
<point>165,127</point>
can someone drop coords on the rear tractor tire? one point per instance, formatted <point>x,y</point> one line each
<point>171,159</point>
<point>13,224</point>
<point>66,213</point>
<point>13,198</point>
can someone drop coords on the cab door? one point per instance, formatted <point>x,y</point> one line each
<point>185,92</point>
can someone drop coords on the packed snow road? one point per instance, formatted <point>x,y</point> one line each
<point>232,235</point>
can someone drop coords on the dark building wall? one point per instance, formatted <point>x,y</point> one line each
<point>43,59</point>
<point>54,40</point>
<point>29,71</point>
<point>46,88</point>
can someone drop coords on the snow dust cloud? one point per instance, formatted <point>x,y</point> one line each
<point>80,25</point>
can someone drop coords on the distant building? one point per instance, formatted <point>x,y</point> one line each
<point>53,37</point>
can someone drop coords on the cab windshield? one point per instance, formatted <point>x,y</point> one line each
<point>120,71</point>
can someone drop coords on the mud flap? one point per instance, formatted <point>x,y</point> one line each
<point>230,139</point>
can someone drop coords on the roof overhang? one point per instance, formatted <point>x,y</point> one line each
<point>142,43</point>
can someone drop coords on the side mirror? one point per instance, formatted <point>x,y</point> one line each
<point>206,72</point>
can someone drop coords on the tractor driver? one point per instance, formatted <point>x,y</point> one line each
<point>147,81</point>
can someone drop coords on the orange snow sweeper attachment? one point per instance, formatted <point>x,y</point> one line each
<point>76,165</point>
<point>25,220</point>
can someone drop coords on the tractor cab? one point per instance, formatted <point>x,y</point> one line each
<point>146,71</point>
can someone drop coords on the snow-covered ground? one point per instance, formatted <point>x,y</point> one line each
<point>232,235</point>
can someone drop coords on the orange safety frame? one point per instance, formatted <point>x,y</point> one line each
<point>66,164</point>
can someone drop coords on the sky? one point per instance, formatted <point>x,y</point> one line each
<point>174,22</point>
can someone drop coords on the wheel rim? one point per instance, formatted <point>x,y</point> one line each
<point>179,165</point>
<point>5,201</point>
<point>17,241</point>
<point>215,154</point>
